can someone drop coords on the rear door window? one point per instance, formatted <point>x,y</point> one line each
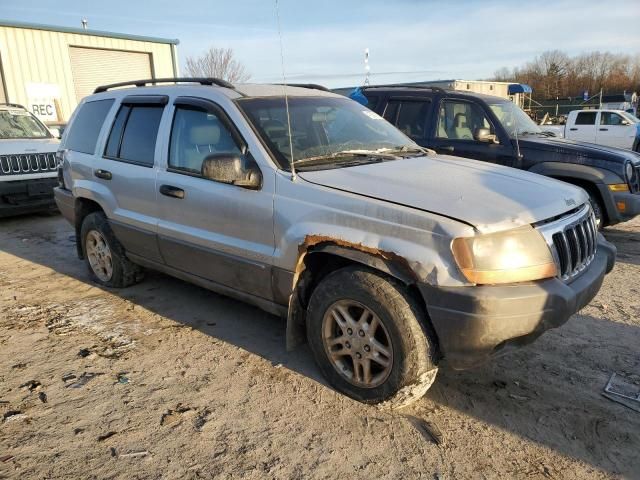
<point>372,102</point>
<point>391,111</point>
<point>586,118</point>
<point>412,117</point>
<point>134,133</point>
<point>84,132</point>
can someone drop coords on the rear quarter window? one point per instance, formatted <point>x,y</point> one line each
<point>83,134</point>
<point>372,102</point>
<point>586,118</point>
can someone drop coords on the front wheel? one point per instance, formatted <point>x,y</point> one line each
<point>598,211</point>
<point>365,333</point>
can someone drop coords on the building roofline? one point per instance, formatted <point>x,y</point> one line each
<point>81,31</point>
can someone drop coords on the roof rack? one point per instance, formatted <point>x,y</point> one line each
<point>15,105</point>
<point>153,81</point>
<point>313,86</point>
<point>405,85</point>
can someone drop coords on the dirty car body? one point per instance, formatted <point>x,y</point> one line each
<point>364,200</point>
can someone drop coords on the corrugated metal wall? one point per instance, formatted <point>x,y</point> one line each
<point>42,56</point>
<point>2,96</point>
<point>499,89</point>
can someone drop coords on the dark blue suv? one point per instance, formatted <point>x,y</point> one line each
<point>496,130</point>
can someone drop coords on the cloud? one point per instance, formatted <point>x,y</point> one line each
<point>413,40</point>
<point>325,41</point>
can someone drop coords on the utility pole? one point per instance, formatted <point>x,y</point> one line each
<point>600,106</point>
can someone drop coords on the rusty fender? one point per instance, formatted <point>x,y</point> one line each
<point>386,261</point>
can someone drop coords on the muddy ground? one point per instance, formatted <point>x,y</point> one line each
<point>167,380</point>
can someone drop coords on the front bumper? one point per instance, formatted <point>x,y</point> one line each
<point>18,197</point>
<point>630,203</point>
<point>473,323</point>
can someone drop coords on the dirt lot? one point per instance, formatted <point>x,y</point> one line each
<point>167,380</point>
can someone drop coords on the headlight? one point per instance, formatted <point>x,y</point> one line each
<point>628,170</point>
<point>517,255</point>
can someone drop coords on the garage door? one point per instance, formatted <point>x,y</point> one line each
<point>2,95</point>
<point>92,67</point>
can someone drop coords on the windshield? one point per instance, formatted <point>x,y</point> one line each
<point>323,129</point>
<point>513,119</point>
<point>21,124</point>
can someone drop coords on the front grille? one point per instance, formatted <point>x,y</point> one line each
<point>576,245</point>
<point>27,163</point>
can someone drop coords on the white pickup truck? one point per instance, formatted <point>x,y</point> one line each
<point>613,128</point>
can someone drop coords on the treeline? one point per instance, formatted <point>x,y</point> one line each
<point>554,74</point>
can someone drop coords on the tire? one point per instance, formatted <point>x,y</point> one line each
<point>598,211</point>
<point>101,249</point>
<point>393,320</point>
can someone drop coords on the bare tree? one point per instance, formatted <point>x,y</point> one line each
<point>503,75</point>
<point>554,74</point>
<point>218,63</point>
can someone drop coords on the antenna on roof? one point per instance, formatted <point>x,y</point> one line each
<point>286,98</point>
<point>85,23</point>
<point>367,68</point>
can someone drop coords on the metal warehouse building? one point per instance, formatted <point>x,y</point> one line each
<point>49,69</point>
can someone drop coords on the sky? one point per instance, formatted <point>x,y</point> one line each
<point>324,41</point>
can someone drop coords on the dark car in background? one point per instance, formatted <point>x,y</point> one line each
<point>495,130</point>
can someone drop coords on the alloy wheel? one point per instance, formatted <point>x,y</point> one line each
<point>357,343</point>
<point>99,255</point>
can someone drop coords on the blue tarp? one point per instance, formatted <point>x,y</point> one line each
<point>358,96</point>
<point>519,88</point>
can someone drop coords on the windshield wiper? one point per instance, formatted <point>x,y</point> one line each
<point>413,149</point>
<point>547,133</point>
<point>347,153</point>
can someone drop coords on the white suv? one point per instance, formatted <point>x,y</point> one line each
<point>28,167</point>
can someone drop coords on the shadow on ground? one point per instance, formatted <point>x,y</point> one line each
<point>627,243</point>
<point>548,392</point>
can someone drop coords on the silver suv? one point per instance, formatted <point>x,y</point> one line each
<point>386,257</point>
<point>28,166</point>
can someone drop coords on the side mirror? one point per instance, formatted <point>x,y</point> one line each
<point>233,169</point>
<point>484,135</point>
<point>625,122</point>
<point>55,131</point>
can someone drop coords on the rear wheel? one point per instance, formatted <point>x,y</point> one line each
<point>104,255</point>
<point>367,338</point>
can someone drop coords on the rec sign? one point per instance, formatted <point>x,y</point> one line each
<point>43,98</point>
<point>44,111</point>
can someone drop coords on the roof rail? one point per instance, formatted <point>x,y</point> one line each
<point>153,81</point>
<point>313,86</point>
<point>15,105</point>
<point>405,85</point>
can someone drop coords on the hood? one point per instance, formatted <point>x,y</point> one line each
<point>578,152</point>
<point>489,197</point>
<point>28,145</point>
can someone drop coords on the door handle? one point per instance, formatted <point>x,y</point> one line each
<point>604,129</point>
<point>573,129</point>
<point>103,174</point>
<point>447,148</point>
<point>171,191</point>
